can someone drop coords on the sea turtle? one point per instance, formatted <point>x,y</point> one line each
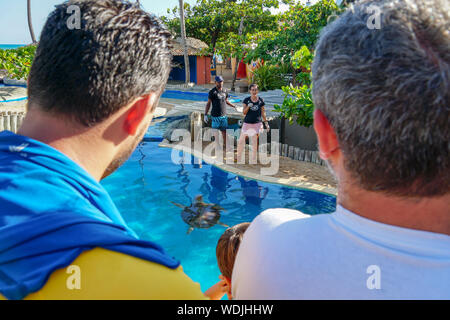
<point>201,214</point>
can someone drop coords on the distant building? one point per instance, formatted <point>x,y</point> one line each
<point>199,64</point>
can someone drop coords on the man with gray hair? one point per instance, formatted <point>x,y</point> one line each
<point>382,121</point>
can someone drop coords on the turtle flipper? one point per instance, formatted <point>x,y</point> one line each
<point>222,224</point>
<point>190,230</point>
<point>217,207</point>
<point>178,205</point>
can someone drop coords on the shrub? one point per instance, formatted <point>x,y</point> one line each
<point>297,102</point>
<point>268,77</point>
<point>298,99</point>
<point>17,62</point>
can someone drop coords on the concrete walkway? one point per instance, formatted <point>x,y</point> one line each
<point>13,93</point>
<point>270,97</point>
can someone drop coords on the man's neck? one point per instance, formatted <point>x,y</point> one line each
<point>426,214</point>
<point>77,143</point>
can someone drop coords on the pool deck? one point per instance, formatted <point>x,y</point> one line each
<point>13,93</point>
<point>291,173</point>
<point>271,98</point>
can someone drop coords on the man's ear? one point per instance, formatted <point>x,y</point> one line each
<point>326,135</point>
<point>137,113</point>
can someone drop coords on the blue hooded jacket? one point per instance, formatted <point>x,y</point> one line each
<point>51,210</point>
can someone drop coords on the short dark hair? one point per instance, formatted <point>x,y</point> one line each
<point>119,53</point>
<point>386,94</point>
<point>228,246</point>
<point>252,86</point>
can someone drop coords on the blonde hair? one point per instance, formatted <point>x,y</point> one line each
<point>228,246</point>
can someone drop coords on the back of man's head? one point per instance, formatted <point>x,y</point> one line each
<point>118,53</point>
<point>384,86</point>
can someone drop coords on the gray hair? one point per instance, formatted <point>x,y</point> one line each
<point>386,94</point>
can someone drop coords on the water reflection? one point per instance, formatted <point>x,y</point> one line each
<point>253,193</point>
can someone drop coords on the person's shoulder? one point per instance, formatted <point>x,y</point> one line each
<point>136,278</point>
<point>283,222</point>
<point>262,100</point>
<point>246,100</point>
<point>280,215</point>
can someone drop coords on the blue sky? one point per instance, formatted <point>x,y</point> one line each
<point>14,23</point>
<point>13,16</point>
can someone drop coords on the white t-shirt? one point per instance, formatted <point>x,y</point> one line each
<point>286,254</point>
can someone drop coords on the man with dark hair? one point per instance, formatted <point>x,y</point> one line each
<point>218,99</point>
<point>382,122</point>
<point>92,93</point>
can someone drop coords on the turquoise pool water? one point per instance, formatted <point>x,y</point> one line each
<point>145,185</point>
<point>169,94</point>
<point>193,96</point>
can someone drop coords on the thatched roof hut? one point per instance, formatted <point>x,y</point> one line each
<point>195,47</point>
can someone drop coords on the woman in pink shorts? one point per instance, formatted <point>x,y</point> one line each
<point>253,123</point>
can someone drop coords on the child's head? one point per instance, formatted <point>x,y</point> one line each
<point>227,248</point>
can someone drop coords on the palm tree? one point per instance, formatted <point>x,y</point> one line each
<point>183,42</point>
<point>30,25</point>
<point>241,27</point>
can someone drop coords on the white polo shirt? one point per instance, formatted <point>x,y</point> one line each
<point>286,254</point>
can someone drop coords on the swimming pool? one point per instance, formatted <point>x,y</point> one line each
<point>168,94</point>
<point>192,96</point>
<point>145,185</point>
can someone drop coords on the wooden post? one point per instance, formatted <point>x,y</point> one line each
<point>20,119</point>
<point>318,160</point>
<point>296,153</point>
<point>285,150</point>
<point>6,122</point>
<point>2,126</point>
<point>308,156</point>
<point>291,152</point>
<point>301,156</point>
<point>313,157</point>
<point>14,122</point>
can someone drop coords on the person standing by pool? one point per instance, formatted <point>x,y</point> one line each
<point>382,122</point>
<point>92,93</point>
<point>218,98</point>
<point>253,126</point>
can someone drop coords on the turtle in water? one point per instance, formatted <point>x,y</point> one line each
<point>200,214</point>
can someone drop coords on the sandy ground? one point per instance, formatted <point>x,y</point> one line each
<point>296,171</point>
<point>290,172</point>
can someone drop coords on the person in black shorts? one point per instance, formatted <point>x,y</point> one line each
<point>253,122</point>
<point>218,98</point>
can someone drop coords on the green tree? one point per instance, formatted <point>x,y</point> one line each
<point>216,21</point>
<point>293,44</point>
<point>299,26</point>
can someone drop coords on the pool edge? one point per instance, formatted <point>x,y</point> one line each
<point>285,182</point>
